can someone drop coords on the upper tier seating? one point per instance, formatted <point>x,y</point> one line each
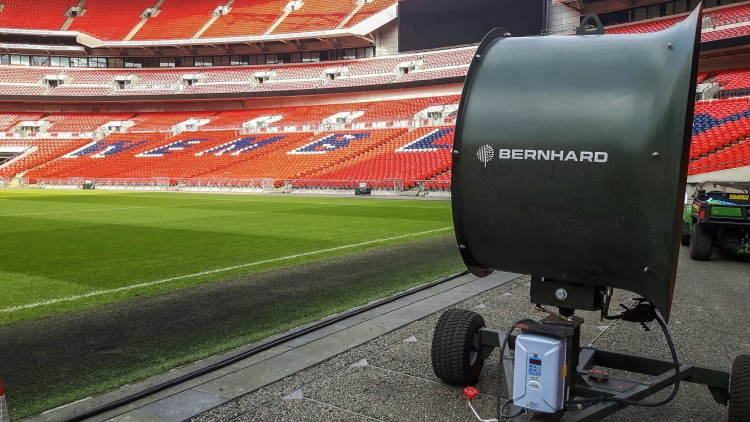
<point>162,122</point>
<point>178,19</point>
<point>119,21</point>
<point>315,15</point>
<point>719,17</point>
<point>367,10</point>
<point>246,18</point>
<point>9,120</point>
<point>82,122</point>
<point>155,81</point>
<point>730,80</point>
<point>23,89</point>
<point>730,15</point>
<point>81,90</point>
<point>18,74</point>
<point>183,19</point>
<point>654,25</point>
<point>35,14</point>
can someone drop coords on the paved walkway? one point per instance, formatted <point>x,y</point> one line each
<point>376,367</point>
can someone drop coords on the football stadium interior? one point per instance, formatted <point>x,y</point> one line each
<point>321,98</point>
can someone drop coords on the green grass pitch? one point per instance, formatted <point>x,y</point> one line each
<point>67,250</point>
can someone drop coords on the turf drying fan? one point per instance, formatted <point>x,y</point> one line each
<point>569,165</point>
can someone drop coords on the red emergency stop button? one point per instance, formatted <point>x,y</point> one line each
<point>470,393</point>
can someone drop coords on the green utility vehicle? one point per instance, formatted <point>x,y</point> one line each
<point>718,214</point>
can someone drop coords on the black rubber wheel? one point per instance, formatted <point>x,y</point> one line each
<point>701,243</point>
<point>739,390</point>
<point>455,347</point>
<point>685,240</point>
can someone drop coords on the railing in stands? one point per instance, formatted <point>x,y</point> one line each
<point>725,165</point>
<point>433,185</point>
<point>722,95</point>
<point>396,185</point>
<point>230,184</point>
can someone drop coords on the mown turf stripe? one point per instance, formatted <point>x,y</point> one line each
<point>115,208</point>
<point>219,270</point>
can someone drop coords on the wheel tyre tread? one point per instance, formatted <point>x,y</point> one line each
<point>685,240</point>
<point>739,390</point>
<point>701,244</point>
<point>450,347</point>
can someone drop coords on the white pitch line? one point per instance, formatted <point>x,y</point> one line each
<point>234,267</point>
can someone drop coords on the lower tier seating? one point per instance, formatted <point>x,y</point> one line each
<point>380,146</point>
<point>416,155</point>
<point>36,152</point>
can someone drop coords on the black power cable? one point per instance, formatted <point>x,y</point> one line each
<point>501,407</point>
<point>265,346</point>
<point>643,312</point>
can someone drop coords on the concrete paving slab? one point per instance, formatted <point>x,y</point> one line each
<point>318,348</point>
<point>137,416</point>
<point>300,410</point>
<point>182,405</point>
<point>380,394</point>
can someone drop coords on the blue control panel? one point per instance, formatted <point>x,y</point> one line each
<point>535,366</point>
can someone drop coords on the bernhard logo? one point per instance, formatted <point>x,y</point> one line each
<point>552,155</point>
<point>485,154</point>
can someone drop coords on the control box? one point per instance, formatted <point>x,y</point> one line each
<point>539,372</point>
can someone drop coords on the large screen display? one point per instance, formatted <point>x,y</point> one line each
<point>428,24</point>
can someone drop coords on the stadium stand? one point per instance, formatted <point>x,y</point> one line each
<point>361,81</point>
<point>14,89</point>
<point>732,79</point>
<point>81,90</point>
<point>246,17</point>
<point>714,20</point>
<point>178,19</point>
<point>207,80</point>
<point>434,74</point>
<point>321,151</point>
<point>163,122</point>
<point>219,149</point>
<point>38,152</point>
<point>17,74</point>
<point>731,157</point>
<point>315,15</point>
<point>82,122</point>
<point>119,22</point>
<point>217,88</point>
<point>45,15</point>
<point>720,135</point>
<point>416,155</point>
<point>214,153</point>
<point>367,10</point>
<point>10,120</point>
<point>439,182</point>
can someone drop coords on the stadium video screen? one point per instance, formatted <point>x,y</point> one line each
<point>427,24</point>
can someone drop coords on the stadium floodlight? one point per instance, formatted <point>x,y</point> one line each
<point>569,164</point>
